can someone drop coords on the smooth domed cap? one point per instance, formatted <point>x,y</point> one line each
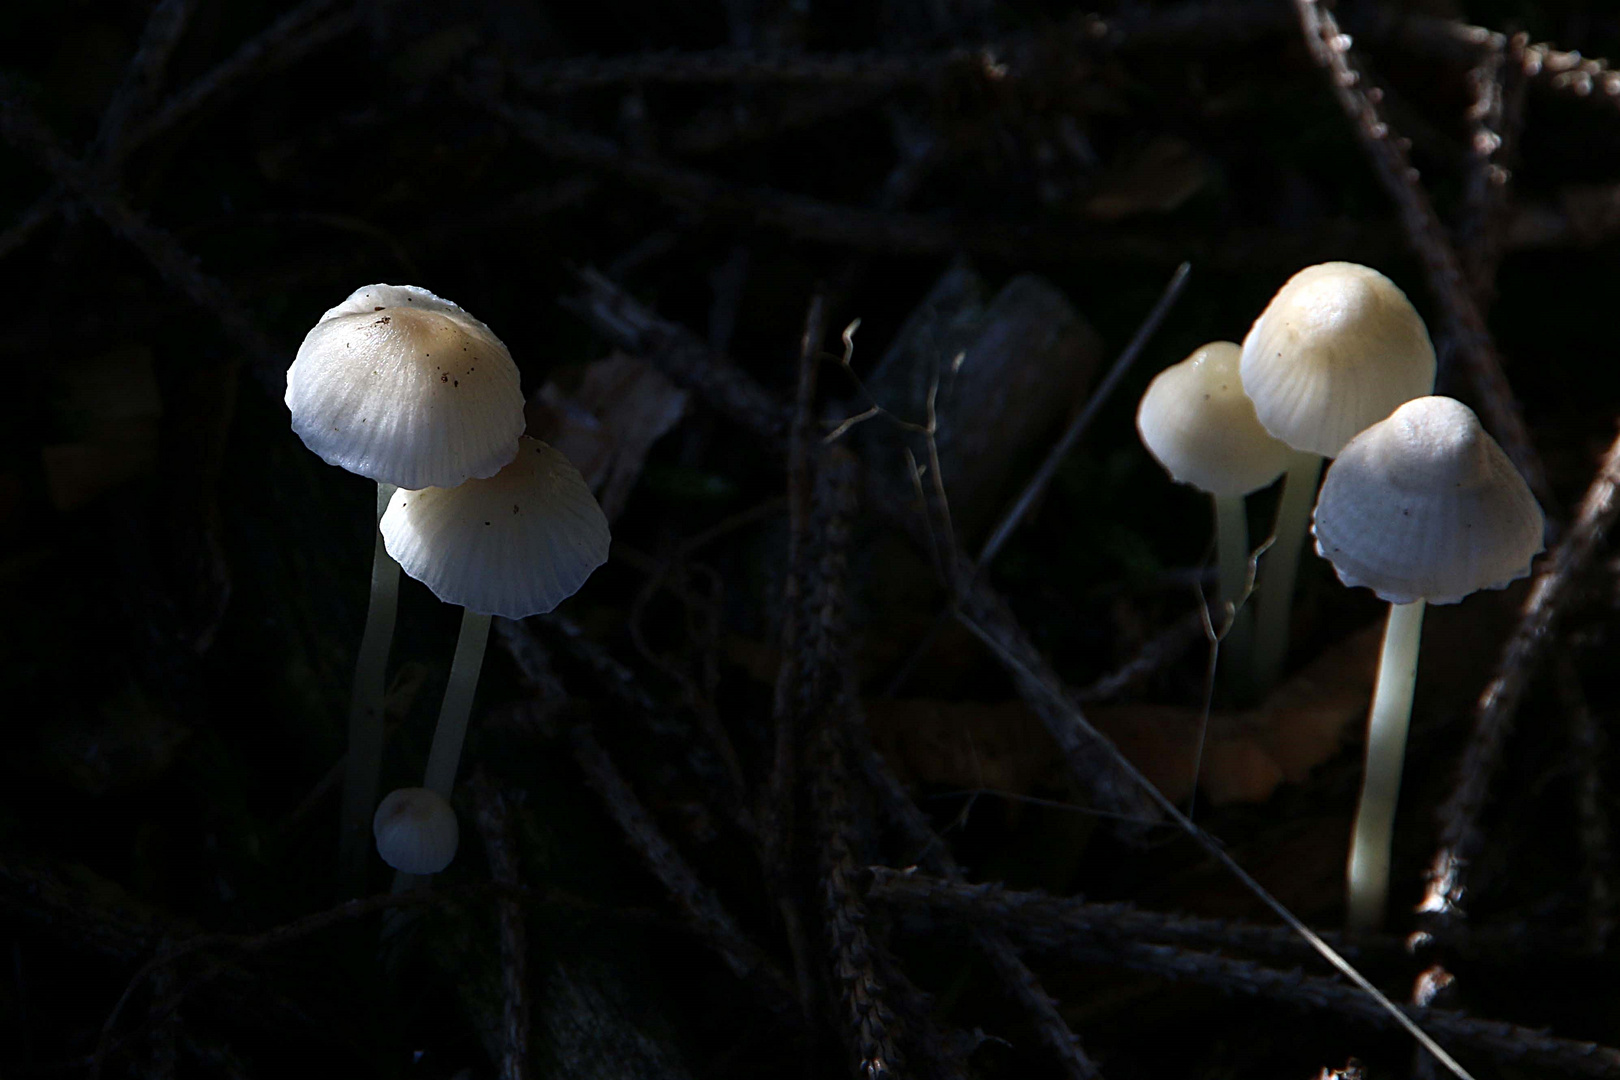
<point>405,388</point>
<point>1337,350</point>
<point>416,831</point>
<point>1198,423</point>
<point>1426,506</point>
<point>516,544</point>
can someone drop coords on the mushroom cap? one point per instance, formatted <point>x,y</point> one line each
<point>405,388</point>
<point>1336,350</point>
<point>1426,506</point>
<point>516,544</point>
<point>416,831</point>
<point>1198,423</point>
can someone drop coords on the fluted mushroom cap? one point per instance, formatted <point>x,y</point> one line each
<point>1426,506</point>
<point>1336,350</point>
<point>405,388</point>
<point>416,831</point>
<point>516,544</point>
<point>1198,423</point>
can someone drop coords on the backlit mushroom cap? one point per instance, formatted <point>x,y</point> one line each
<point>518,543</point>
<point>1198,423</point>
<point>416,831</point>
<point>1336,350</point>
<point>405,388</point>
<point>1425,506</point>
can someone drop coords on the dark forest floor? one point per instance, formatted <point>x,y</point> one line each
<point>683,787</point>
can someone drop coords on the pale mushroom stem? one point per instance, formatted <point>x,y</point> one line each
<point>363,768</point>
<point>445,754</point>
<point>1280,565</point>
<point>1232,561</point>
<point>1367,873</point>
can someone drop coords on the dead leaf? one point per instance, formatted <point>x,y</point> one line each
<point>968,745</point>
<point>1154,179</point>
<point>1247,753</point>
<point>607,426</point>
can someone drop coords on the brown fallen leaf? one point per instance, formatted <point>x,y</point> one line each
<point>1157,178</point>
<point>608,424</point>
<point>967,745</point>
<point>1248,752</point>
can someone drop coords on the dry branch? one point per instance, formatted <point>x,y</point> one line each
<point>931,851</point>
<point>1555,586</point>
<point>1504,1042</point>
<point>293,35</point>
<point>1463,319</point>
<point>25,130</point>
<point>494,825</point>
<point>1588,746</point>
<point>162,32</point>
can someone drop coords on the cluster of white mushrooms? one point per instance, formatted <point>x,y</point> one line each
<point>1420,505</point>
<point>407,389</point>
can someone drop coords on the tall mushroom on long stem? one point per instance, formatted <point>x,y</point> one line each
<point>407,389</point>
<point>516,544</point>
<point>1422,508</point>
<point>1198,423</point>
<point>1336,350</point>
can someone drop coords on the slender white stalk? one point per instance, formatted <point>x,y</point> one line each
<point>445,754</point>
<point>1279,566</point>
<point>364,764</point>
<point>1232,560</point>
<point>1367,873</point>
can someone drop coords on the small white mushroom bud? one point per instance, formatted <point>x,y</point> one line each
<point>416,831</point>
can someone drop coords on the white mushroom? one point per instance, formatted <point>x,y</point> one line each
<point>405,388</point>
<point>416,831</point>
<point>1198,423</point>
<point>1336,350</point>
<point>1423,507</point>
<point>516,544</point>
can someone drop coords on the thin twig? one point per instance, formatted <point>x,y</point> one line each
<point>824,693</point>
<point>680,356</point>
<point>30,221</point>
<point>1508,1043</point>
<point>1092,760</point>
<point>289,37</point>
<point>927,848</point>
<point>1168,646</point>
<point>25,130</point>
<point>1209,843</point>
<point>494,826</point>
<point>1464,321</point>
<point>1587,746</point>
<point>1494,119</point>
<point>701,909</point>
<point>740,66</point>
<point>1036,920</point>
<point>1555,586</point>
<point>1036,487</point>
<point>162,32</point>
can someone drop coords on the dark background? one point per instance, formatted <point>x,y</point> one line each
<point>184,584</point>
